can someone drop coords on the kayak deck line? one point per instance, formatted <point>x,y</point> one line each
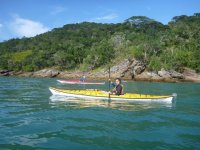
<point>98,94</point>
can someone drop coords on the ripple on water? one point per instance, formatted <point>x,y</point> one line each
<point>30,118</point>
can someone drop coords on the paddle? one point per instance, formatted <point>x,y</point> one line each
<point>109,82</point>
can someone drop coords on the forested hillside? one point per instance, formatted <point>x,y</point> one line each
<point>87,46</point>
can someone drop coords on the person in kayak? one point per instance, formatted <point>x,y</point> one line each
<point>118,90</point>
<point>82,79</point>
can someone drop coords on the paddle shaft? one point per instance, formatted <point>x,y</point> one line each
<point>109,82</point>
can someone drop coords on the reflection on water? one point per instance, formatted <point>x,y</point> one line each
<point>57,101</point>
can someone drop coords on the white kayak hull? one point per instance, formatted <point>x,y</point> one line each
<point>80,82</point>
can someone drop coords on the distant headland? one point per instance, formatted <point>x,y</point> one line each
<point>139,48</point>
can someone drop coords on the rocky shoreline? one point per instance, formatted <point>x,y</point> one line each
<point>129,69</point>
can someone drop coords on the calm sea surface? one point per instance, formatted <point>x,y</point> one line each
<point>31,118</point>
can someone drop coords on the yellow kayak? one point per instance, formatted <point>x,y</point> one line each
<point>98,94</point>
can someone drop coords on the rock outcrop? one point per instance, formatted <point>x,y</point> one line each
<point>172,74</point>
<point>148,76</point>
<point>46,73</point>
<point>24,74</point>
<point>128,69</point>
<point>163,73</point>
<point>176,75</point>
<point>191,75</point>
<point>134,69</point>
<point>70,74</point>
<point>120,69</point>
<point>6,73</point>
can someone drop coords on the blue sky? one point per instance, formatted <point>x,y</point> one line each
<point>28,18</point>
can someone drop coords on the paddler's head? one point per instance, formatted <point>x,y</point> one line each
<point>118,81</point>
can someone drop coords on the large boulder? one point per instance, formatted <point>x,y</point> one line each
<point>136,68</point>
<point>5,73</point>
<point>54,73</point>
<point>191,75</point>
<point>121,67</point>
<point>165,74</point>
<point>24,74</point>
<point>176,75</point>
<point>126,69</point>
<point>126,75</point>
<point>148,76</point>
<point>172,74</point>
<point>46,73</point>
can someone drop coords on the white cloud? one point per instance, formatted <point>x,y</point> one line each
<point>57,10</point>
<point>111,17</point>
<point>1,25</point>
<point>107,17</point>
<point>27,27</point>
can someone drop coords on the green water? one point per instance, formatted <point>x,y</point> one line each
<point>30,118</point>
